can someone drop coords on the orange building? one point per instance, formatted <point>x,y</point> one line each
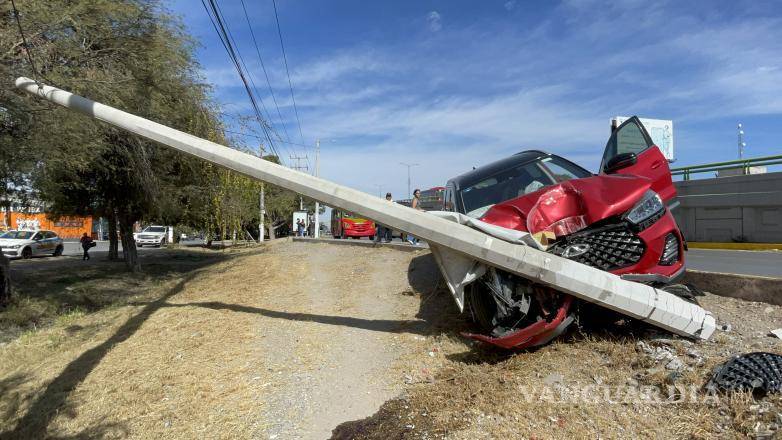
<point>65,227</point>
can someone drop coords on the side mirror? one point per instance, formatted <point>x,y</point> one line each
<point>620,161</point>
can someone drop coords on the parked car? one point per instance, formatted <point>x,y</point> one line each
<point>617,221</point>
<point>27,244</point>
<point>152,235</point>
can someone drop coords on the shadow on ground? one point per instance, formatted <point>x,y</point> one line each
<point>45,289</point>
<point>44,406</point>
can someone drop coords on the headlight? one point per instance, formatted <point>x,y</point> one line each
<point>13,246</point>
<point>649,208</point>
<point>347,225</point>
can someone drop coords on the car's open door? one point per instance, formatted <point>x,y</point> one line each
<point>630,150</point>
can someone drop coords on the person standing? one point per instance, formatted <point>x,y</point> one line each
<point>415,204</point>
<point>86,244</point>
<point>384,232</point>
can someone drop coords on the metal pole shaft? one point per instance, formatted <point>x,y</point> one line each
<point>261,206</point>
<point>317,174</point>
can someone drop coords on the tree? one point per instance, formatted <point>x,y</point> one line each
<point>126,53</point>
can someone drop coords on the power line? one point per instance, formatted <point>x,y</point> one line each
<point>287,72</point>
<point>259,137</point>
<point>36,73</point>
<point>222,33</point>
<point>249,72</point>
<point>263,66</point>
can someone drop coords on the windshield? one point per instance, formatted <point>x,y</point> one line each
<point>18,235</point>
<point>516,182</point>
<point>155,229</point>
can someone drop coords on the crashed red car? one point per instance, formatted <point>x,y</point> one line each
<point>618,221</point>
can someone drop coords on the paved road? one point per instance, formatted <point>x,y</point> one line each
<point>74,248</point>
<point>764,263</point>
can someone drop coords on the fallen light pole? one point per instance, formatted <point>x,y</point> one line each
<point>461,251</point>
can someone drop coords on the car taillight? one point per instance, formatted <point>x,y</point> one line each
<point>670,251</point>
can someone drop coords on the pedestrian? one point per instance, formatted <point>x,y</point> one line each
<point>415,204</point>
<point>385,231</point>
<point>86,244</point>
<point>300,225</point>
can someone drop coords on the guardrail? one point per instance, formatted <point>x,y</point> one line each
<point>744,164</point>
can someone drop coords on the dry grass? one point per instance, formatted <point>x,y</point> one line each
<point>96,374</point>
<point>467,391</point>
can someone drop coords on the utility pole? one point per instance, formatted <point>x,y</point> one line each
<point>742,144</point>
<point>379,190</point>
<point>300,167</point>
<point>262,204</point>
<point>317,174</point>
<point>408,165</point>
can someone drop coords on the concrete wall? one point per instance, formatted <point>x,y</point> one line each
<point>726,208</point>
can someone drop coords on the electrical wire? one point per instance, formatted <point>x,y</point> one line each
<point>263,66</point>
<point>287,72</point>
<point>219,26</point>
<point>36,73</point>
<point>259,137</point>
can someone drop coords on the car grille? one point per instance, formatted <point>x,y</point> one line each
<point>607,248</point>
<point>148,237</point>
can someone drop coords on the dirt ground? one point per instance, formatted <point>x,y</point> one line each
<point>303,340</point>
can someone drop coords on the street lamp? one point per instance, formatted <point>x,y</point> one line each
<point>408,165</point>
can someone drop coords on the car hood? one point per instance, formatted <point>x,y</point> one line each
<point>591,199</point>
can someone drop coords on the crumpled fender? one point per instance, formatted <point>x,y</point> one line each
<point>533,335</point>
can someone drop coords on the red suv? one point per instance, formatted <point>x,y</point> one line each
<point>618,221</point>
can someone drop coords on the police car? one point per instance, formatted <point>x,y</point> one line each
<point>26,244</point>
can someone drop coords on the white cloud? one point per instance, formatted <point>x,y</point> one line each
<point>435,21</point>
<point>510,5</point>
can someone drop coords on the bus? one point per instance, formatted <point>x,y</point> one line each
<point>345,224</point>
<point>432,198</point>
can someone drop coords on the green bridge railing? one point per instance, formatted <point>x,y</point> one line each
<point>743,164</point>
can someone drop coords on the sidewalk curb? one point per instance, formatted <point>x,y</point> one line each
<point>746,287</point>
<point>735,246</point>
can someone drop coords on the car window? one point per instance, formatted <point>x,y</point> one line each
<point>37,236</point>
<point>448,199</point>
<point>628,138</point>
<point>155,229</point>
<point>17,235</point>
<point>562,170</point>
<point>505,185</point>
<point>50,234</point>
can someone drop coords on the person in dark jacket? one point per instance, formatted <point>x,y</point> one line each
<point>86,244</point>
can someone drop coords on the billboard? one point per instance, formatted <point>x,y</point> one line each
<point>660,130</point>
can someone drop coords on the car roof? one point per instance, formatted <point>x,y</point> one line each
<point>481,172</point>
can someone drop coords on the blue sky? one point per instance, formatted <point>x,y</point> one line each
<point>455,84</point>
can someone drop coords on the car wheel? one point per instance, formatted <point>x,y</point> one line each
<point>27,253</point>
<point>140,245</point>
<point>58,251</point>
